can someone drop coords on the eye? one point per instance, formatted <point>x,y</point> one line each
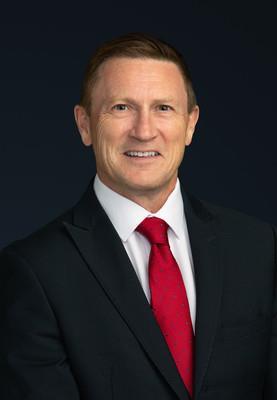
<point>164,107</point>
<point>120,107</point>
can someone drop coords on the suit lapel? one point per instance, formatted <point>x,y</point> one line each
<point>204,240</point>
<point>107,259</point>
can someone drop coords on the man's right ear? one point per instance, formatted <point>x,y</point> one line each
<point>82,121</point>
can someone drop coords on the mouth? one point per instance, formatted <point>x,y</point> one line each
<point>141,154</point>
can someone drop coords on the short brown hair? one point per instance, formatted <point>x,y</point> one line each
<point>134,45</point>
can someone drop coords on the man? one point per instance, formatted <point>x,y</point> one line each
<point>140,291</point>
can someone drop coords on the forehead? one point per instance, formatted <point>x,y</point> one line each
<point>140,75</point>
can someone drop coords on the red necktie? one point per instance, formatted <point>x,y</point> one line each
<point>169,301</point>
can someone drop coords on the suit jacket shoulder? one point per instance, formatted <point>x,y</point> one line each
<point>229,222</point>
<point>233,222</point>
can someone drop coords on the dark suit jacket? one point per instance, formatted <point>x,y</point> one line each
<point>75,323</point>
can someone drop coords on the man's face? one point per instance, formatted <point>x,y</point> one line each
<point>138,125</point>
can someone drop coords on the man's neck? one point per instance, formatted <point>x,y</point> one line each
<point>150,200</point>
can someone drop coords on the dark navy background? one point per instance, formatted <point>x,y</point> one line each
<point>231,50</point>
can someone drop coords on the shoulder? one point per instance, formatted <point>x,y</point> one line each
<point>45,243</point>
<point>235,223</point>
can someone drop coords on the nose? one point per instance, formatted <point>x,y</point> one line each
<point>143,128</point>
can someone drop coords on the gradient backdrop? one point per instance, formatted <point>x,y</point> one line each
<point>231,50</point>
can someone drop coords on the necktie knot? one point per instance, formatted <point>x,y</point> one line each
<point>154,229</point>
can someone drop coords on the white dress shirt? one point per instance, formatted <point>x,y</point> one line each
<point>126,215</point>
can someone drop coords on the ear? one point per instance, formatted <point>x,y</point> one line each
<point>82,122</point>
<point>193,118</point>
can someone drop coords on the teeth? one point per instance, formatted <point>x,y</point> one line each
<point>142,153</point>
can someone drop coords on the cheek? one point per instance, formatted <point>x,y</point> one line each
<point>101,134</point>
<point>107,140</point>
<point>175,135</point>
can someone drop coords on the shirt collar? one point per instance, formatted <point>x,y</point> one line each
<point>126,215</point>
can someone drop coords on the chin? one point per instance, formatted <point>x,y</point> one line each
<point>144,184</point>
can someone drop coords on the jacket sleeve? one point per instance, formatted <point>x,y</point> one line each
<point>270,392</point>
<point>33,361</point>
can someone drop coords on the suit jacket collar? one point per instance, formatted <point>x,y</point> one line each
<point>102,250</point>
<point>205,235</point>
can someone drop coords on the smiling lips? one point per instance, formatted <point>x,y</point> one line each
<point>142,153</point>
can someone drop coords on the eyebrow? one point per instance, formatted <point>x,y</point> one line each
<point>130,100</point>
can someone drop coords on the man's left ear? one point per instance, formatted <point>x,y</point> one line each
<point>82,122</point>
<point>193,118</point>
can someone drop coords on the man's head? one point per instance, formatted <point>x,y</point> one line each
<point>138,111</point>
